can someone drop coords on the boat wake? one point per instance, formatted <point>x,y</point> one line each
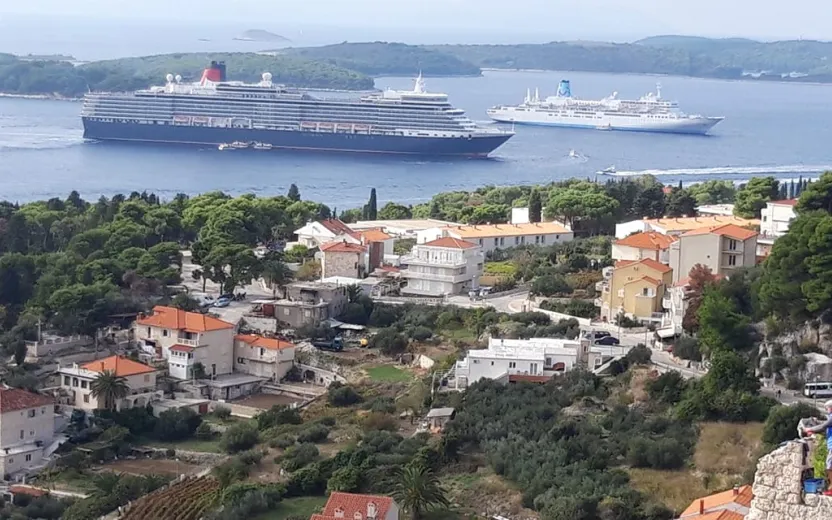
<point>27,141</point>
<point>796,169</point>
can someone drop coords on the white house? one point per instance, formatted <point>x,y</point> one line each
<point>263,357</point>
<point>679,225</point>
<point>638,246</point>
<point>186,338</point>
<point>27,429</point>
<point>503,236</point>
<point>774,223</point>
<point>443,266</point>
<point>76,382</point>
<point>404,228</point>
<point>314,234</point>
<point>535,357</point>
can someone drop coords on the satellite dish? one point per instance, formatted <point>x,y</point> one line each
<point>169,77</point>
<point>178,78</point>
<point>267,76</point>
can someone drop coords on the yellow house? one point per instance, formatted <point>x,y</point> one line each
<point>636,289</point>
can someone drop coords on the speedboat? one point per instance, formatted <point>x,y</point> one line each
<point>224,146</point>
<point>606,171</point>
<point>239,145</point>
<point>262,146</point>
<point>574,154</point>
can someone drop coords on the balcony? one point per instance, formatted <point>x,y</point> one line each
<point>458,278</point>
<point>432,262</point>
<point>602,286</point>
<point>598,302</point>
<point>667,302</point>
<point>189,342</point>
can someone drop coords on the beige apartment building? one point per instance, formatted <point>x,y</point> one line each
<point>76,382</point>
<point>723,249</point>
<point>647,244</point>
<point>269,358</point>
<point>185,338</point>
<point>635,289</point>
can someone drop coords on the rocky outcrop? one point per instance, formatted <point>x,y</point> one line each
<point>778,489</point>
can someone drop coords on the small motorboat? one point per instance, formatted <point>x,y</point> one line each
<point>574,154</point>
<point>262,146</point>
<point>607,126</point>
<point>224,146</point>
<point>239,145</point>
<point>606,171</point>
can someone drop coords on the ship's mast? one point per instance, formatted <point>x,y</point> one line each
<point>419,88</point>
<point>658,90</point>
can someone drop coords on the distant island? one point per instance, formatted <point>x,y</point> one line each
<point>62,79</point>
<point>259,35</point>
<point>352,66</point>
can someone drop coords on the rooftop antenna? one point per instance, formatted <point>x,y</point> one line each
<point>536,95</point>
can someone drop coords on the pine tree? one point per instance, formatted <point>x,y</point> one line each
<point>294,193</point>
<point>371,209</point>
<point>535,206</point>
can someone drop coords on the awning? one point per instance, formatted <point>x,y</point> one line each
<point>666,333</point>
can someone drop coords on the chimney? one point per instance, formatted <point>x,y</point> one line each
<point>701,506</point>
<point>371,510</point>
<point>736,490</point>
<point>339,513</point>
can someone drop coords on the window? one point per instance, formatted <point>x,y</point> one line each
<point>149,332</point>
<point>502,241</point>
<point>732,260</point>
<point>262,352</point>
<point>83,383</point>
<point>285,312</point>
<point>645,291</point>
<point>516,241</point>
<point>496,242</point>
<point>165,333</point>
<point>557,237</point>
<point>86,398</point>
<point>11,460</point>
<point>28,457</point>
<point>480,242</point>
<point>147,378</point>
<point>476,361</point>
<point>31,433</point>
<point>74,381</point>
<point>512,364</point>
<point>732,245</point>
<point>537,239</point>
<point>22,434</point>
<point>66,380</point>
<point>492,363</point>
<point>32,412</point>
<point>542,239</point>
<point>43,411</point>
<point>241,361</point>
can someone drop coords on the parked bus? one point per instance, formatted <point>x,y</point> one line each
<point>813,390</point>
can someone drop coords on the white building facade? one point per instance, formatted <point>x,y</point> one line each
<point>76,383</point>
<point>491,237</point>
<point>263,357</point>
<point>27,429</point>
<point>443,266</point>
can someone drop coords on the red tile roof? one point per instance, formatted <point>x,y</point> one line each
<point>728,230</point>
<point>122,366</point>
<point>172,318</point>
<point>336,226</point>
<point>649,262</point>
<point>182,348</point>
<point>741,496</point>
<point>14,399</point>
<point>647,240</point>
<point>717,515</point>
<point>451,242</point>
<point>342,247</point>
<point>787,202</point>
<point>259,341</point>
<point>375,235</point>
<point>527,378</point>
<point>350,505</point>
<point>27,490</point>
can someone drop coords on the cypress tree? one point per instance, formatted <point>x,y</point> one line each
<point>294,193</point>
<point>371,211</point>
<point>535,206</point>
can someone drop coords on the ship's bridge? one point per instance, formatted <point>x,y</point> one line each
<point>417,95</point>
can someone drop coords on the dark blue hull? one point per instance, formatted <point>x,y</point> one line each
<point>479,146</point>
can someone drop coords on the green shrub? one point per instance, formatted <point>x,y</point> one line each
<point>339,394</point>
<point>313,433</point>
<point>781,423</point>
<point>222,412</point>
<point>282,441</point>
<point>298,456</point>
<point>204,432</point>
<point>239,437</point>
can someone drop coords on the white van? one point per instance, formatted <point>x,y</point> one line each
<point>813,390</point>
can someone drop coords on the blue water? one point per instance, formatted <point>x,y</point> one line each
<point>770,128</point>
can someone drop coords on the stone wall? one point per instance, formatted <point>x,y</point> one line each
<point>778,489</point>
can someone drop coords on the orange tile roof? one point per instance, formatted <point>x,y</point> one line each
<point>172,318</point>
<point>121,365</point>
<point>717,515</point>
<point>741,496</point>
<point>375,235</point>
<point>342,246</point>
<point>350,505</point>
<point>336,226</point>
<point>787,202</point>
<point>508,230</point>
<point>28,490</point>
<point>649,262</point>
<point>451,242</point>
<point>728,230</point>
<point>182,348</point>
<point>259,341</point>
<point>682,224</point>
<point>14,399</point>
<point>651,281</point>
<point>647,240</point>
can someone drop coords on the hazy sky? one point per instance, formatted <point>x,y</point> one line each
<point>563,19</point>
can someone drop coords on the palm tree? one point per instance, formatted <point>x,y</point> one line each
<point>110,387</point>
<point>416,489</point>
<point>353,293</point>
<point>276,272</point>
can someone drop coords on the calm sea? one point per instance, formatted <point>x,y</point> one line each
<point>770,128</point>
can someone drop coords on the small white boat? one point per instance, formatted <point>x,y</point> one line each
<point>224,146</point>
<point>239,145</point>
<point>574,154</point>
<point>606,171</point>
<point>262,146</point>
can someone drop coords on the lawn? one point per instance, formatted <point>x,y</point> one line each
<point>212,446</point>
<point>303,507</point>
<point>388,374</point>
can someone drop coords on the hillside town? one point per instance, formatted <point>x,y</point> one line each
<point>380,365</point>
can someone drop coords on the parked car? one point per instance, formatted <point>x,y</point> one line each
<point>222,302</point>
<point>607,340</point>
<point>598,334</point>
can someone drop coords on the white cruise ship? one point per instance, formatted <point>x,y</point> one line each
<point>651,113</point>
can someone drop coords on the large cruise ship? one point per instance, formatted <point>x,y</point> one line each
<point>264,116</point>
<point>651,113</point>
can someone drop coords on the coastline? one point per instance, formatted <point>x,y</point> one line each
<point>42,97</point>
